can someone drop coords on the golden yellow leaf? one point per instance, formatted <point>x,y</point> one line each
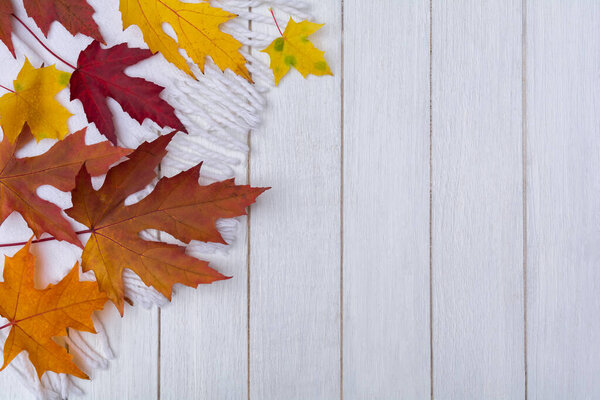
<point>37,316</point>
<point>33,102</point>
<point>294,49</point>
<point>197,29</point>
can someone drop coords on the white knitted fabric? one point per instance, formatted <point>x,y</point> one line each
<point>218,109</point>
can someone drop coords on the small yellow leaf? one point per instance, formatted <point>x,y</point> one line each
<point>34,103</point>
<point>197,29</point>
<point>294,49</point>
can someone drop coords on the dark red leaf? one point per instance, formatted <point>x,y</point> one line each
<point>100,74</point>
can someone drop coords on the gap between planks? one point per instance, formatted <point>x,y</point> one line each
<point>431,198</point>
<point>342,204</point>
<point>524,166</point>
<point>248,218</point>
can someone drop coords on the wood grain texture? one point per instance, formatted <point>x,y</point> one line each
<point>563,78</point>
<point>381,220</point>
<point>11,388</point>
<point>478,328</point>
<point>204,335</point>
<point>386,200</point>
<point>133,374</point>
<point>295,233</point>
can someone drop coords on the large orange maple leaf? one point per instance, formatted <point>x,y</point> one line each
<point>177,205</point>
<point>36,316</point>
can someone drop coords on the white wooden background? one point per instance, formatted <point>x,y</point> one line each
<point>433,230</point>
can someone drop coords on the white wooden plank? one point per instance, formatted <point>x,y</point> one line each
<point>477,279</point>
<point>204,333</point>
<point>133,374</point>
<point>386,200</point>
<point>563,187</point>
<point>295,233</point>
<point>11,387</point>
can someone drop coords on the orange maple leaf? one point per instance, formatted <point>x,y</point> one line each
<point>36,316</point>
<point>177,205</point>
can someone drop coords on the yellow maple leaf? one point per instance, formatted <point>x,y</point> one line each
<point>33,102</point>
<point>293,49</point>
<point>197,29</point>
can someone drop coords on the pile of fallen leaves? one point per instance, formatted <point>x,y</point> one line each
<point>177,205</point>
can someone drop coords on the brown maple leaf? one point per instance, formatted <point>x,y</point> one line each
<point>6,11</point>
<point>20,178</point>
<point>74,15</point>
<point>177,205</point>
<point>36,316</point>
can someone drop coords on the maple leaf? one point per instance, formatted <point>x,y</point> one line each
<point>293,49</point>
<point>177,205</point>
<point>6,11</point>
<point>33,102</point>
<point>20,178</point>
<point>100,74</point>
<point>197,29</point>
<point>74,15</point>
<point>36,316</point>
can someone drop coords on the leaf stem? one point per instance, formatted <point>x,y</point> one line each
<point>15,244</point>
<point>42,43</point>
<point>275,19</point>
<point>6,326</point>
<point>5,88</point>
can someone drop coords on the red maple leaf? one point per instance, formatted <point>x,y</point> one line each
<point>74,15</point>
<point>6,11</point>
<point>100,74</point>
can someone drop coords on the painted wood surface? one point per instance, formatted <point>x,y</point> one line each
<point>134,372</point>
<point>203,340</point>
<point>295,233</point>
<point>563,207</point>
<point>386,200</point>
<point>376,210</point>
<point>477,209</point>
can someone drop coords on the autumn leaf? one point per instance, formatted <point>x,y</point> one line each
<point>197,29</point>
<point>177,205</point>
<point>74,15</point>
<point>6,11</point>
<point>33,102</point>
<point>37,316</point>
<point>293,49</point>
<point>20,178</point>
<point>100,74</point>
